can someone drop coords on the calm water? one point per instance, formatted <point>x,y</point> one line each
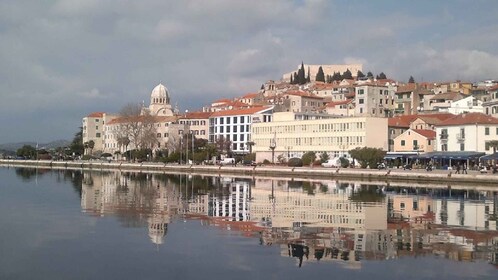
<point>92,225</point>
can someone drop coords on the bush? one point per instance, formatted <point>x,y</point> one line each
<point>308,158</point>
<point>344,162</point>
<point>266,161</point>
<point>295,162</point>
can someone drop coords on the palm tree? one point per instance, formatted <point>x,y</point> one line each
<point>493,144</point>
<point>250,144</point>
<point>91,145</point>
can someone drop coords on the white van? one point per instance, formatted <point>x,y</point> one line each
<point>227,161</point>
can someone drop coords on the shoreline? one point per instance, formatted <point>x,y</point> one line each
<point>444,177</point>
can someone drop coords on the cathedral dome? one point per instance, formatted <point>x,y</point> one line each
<point>160,93</point>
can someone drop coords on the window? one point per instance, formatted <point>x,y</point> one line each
<point>221,129</point>
<point>221,121</point>
<point>241,119</point>
<point>234,119</point>
<point>242,137</point>
<point>462,146</point>
<point>241,128</point>
<point>166,134</point>
<point>402,142</point>
<point>97,135</point>
<point>159,135</point>
<point>361,91</point>
<point>444,147</point>
<point>234,128</point>
<point>235,137</point>
<point>228,129</point>
<point>361,101</point>
<point>486,131</point>
<point>234,146</point>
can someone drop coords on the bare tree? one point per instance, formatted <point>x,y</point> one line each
<point>136,128</point>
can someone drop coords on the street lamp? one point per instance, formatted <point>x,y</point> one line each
<point>273,145</point>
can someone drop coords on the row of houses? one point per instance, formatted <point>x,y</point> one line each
<point>286,120</point>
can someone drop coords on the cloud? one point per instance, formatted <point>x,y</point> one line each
<point>82,56</point>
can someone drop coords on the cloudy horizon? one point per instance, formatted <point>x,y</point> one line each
<point>61,60</point>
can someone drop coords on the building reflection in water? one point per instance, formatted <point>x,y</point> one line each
<point>327,221</point>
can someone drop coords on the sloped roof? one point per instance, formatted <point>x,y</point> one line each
<point>155,119</point>
<point>470,118</point>
<point>335,103</point>
<point>406,120</point>
<point>96,115</point>
<point>196,115</point>
<point>250,95</point>
<point>447,96</point>
<point>301,93</point>
<point>244,111</point>
<point>427,133</point>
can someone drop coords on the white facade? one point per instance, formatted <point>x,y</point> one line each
<point>466,105</point>
<point>335,136</point>
<point>93,130</point>
<point>467,132</point>
<point>235,126</point>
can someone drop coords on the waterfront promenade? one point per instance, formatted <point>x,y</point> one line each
<point>447,177</point>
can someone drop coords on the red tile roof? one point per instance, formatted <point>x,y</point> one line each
<point>301,93</point>
<point>196,115</point>
<point>406,120</point>
<point>342,102</point>
<point>96,115</point>
<point>470,118</point>
<point>250,95</point>
<point>427,133</point>
<point>155,119</point>
<point>244,111</point>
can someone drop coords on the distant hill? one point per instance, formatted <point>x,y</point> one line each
<point>50,145</point>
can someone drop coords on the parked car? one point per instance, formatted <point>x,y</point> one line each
<point>335,162</point>
<point>227,161</point>
<point>249,163</point>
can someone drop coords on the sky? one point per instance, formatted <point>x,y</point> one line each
<point>61,60</point>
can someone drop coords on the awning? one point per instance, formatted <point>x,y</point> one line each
<point>391,155</point>
<point>490,157</point>
<point>450,155</point>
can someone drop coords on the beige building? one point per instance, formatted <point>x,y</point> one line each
<point>295,134</point>
<point>93,130</point>
<point>415,140</point>
<point>374,100</point>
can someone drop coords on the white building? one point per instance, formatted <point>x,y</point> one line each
<point>235,126</point>
<point>467,132</point>
<point>468,104</point>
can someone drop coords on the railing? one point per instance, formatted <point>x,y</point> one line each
<point>460,137</point>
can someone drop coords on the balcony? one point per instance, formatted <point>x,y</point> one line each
<point>460,137</point>
<point>443,137</point>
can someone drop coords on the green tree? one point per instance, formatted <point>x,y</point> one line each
<point>359,74</point>
<point>336,76</point>
<point>301,78</point>
<point>76,147</point>
<point>308,78</point>
<point>91,145</point>
<point>308,158</point>
<point>493,144</point>
<point>381,76</point>
<point>370,75</point>
<point>347,75</point>
<point>368,156</point>
<point>324,157</point>
<point>411,80</point>
<point>27,151</point>
<point>320,76</point>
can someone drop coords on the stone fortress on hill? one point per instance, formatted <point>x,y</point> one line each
<point>286,119</point>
